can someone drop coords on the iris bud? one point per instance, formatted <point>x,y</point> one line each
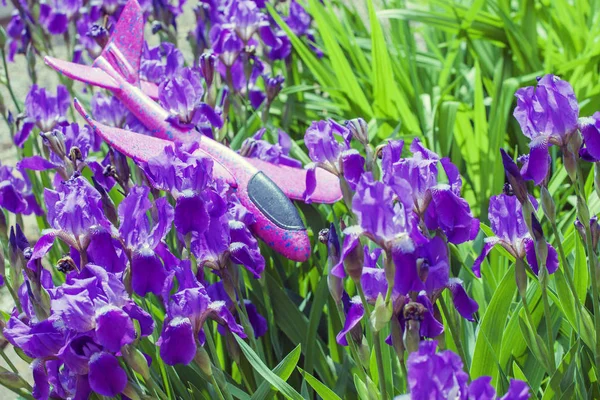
<point>413,314</point>
<point>521,276</point>
<point>203,360</point>
<point>336,284</point>
<point>354,263</point>
<point>2,37</point>
<point>359,129</point>
<point>55,141</point>
<point>548,204</point>
<point>130,392</point>
<point>381,315</point>
<point>12,380</point>
<point>136,361</point>
<point>207,66</point>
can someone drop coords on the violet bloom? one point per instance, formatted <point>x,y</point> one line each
<point>18,35</point>
<point>68,148</point>
<point>43,111</point>
<point>182,97</point>
<point>142,235</point>
<point>15,192</point>
<point>438,204</point>
<point>110,111</point>
<point>257,147</point>
<point>441,376</point>
<point>226,44</point>
<point>217,224</point>
<point>187,311</point>
<point>507,223</point>
<point>243,83</point>
<point>548,116</point>
<point>328,146</point>
<point>246,19</point>
<point>56,14</point>
<point>160,62</point>
<point>590,130</point>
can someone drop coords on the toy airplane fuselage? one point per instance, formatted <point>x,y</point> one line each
<point>258,184</point>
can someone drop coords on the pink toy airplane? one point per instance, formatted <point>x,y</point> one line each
<point>263,188</point>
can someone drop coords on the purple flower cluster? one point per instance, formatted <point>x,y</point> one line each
<point>80,333</point>
<point>440,375</point>
<point>410,215</point>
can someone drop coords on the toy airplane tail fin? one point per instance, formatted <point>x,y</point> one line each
<point>120,58</point>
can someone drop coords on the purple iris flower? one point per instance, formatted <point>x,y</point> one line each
<point>507,223</point>
<point>43,111</point>
<point>217,292</point>
<point>187,311</point>
<point>548,116</point>
<point>590,130</point>
<point>246,19</point>
<point>18,35</point>
<point>15,192</point>
<point>226,44</point>
<point>217,223</point>
<point>182,96</point>
<point>142,235</point>
<point>69,147</point>
<point>441,376</point>
<point>160,62</point>
<point>110,111</point>
<point>56,14</point>
<point>299,20</point>
<point>257,147</point>
<point>438,204</point>
<point>328,146</point>
<point>242,83</point>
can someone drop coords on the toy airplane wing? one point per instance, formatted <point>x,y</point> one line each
<point>293,181</point>
<point>139,147</point>
<point>95,76</point>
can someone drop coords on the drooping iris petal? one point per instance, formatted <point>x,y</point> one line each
<point>353,316</point>
<point>326,140</point>
<point>106,376</point>
<point>481,389</point>
<point>517,390</point>
<point>190,214</point>
<point>177,343</point>
<point>41,386</point>
<point>551,261</point>
<point>465,305</point>
<point>452,215</point>
<point>430,326</point>
<point>114,328</point>
<point>353,166</point>
<point>258,322</point>
<point>147,272</point>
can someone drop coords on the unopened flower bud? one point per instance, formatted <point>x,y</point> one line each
<point>99,34</point>
<point>248,147</point>
<point>423,269</point>
<point>595,229</point>
<point>14,381</point>
<point>364,353</point>
<point>513,175</point>
<point>2,37</point>
<point>570,162</point>
<point>203,361</point>
<point>66,265</point>
<point>581,229</point>
<point>412,336</point>
<point>273,86</point>
<point>397,341</point>
<point>548,204</point>
<point>130,392</point>
<point>381,315</point>
<point>521,276</point>
<point>121,166</point>
<point>157,26</point>
<point>207,66</point>
<point>55,141</point>
<point>136,361</point>
<point>233,349</point>
<point>30,56</point>
<point>541,247</point>
<point>3,226</point>
<point>359,129</point>
<point>75,155</point>
<point>335,283</point>
<point>107,204</point>
<point>353,263</point>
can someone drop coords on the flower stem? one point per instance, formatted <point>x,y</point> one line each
<point>454,331</point>
<point>583,214</point>
<point>8,84</point>
<point>216,386</point>
<point>376,343</point>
